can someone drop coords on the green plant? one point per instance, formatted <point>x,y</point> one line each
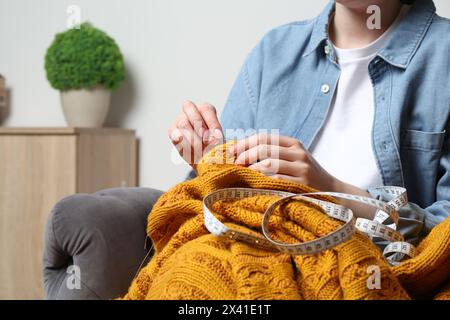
<point>83,58</point>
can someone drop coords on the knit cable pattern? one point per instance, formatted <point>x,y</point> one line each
<point>190,263</point>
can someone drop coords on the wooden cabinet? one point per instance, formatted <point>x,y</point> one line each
<point>38,167</point>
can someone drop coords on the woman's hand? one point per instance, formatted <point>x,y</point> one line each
<point>196,129</point>
<point>286,158</point>
<point>283,158</point>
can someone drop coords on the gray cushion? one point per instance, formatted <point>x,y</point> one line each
<point>104,235</point>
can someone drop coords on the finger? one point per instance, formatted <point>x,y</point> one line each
<point>195,118</point>
<point>262,152</point>
<point>183,126</point>
<point>209,116</point>
<point>255,154</point>
<point>276,140</point>
<point>176,137</point>
<point>175,134</point>
<point>179,147</point>
<point>276,166</point>
<point>192,145</point>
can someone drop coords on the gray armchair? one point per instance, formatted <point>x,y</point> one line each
<point>103,235</point>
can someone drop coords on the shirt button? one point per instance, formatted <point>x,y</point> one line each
<point>325,88</point>
<point>327,49</point>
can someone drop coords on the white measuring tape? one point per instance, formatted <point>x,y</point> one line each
<point>394,252</point>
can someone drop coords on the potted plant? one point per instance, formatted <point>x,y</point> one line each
<point>85,64</point>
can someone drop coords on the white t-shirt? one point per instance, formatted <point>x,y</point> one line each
<point>343,146</point>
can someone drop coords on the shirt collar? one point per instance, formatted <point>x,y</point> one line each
<point>320,29</point>
<point>404,40</point>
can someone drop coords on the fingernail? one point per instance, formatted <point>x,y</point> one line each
<point>177,138</point>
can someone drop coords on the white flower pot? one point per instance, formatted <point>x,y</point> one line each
<point>86,107</point>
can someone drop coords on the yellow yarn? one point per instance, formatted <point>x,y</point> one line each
<point>190,263</point>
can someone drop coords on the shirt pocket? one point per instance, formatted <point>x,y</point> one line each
<point>423,141</point>
<point>420,154</point>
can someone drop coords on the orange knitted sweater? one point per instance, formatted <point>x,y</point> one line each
<point>190,263</point>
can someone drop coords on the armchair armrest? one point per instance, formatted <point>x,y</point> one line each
<point>103,236</point>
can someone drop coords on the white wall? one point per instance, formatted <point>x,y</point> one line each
<point>174,50</point>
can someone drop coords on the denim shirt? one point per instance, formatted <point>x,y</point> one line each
<point>288,81</point>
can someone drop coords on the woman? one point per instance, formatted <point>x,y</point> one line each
<point>355,107</point>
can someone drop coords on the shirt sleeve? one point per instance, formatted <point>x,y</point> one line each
<point>239,114</point>
<point>240,108</point>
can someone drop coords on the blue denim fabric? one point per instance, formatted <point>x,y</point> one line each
<point>280,87</point>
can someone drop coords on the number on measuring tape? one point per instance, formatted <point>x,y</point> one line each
<point>394,252</point>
